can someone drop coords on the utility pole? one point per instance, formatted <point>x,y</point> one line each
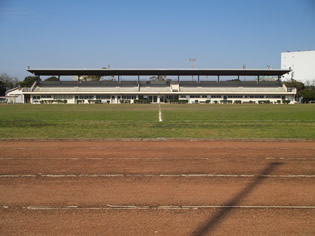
<point>192,60</point>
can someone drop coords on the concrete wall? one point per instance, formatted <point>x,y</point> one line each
<point>301,63</point>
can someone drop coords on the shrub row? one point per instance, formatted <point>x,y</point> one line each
<point>177,101</point>
<point>142,101</point>
<point>53,101</point>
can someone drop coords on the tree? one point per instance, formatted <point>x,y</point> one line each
<point>296,84</point>
<point>2,88</point>
<point>52,78</point>
<point>8,82</point>
<point>29,81</point>
<point>308,94</point>
<point>306,91</point>
<point>90,78</point>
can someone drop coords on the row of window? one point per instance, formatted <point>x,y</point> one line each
<point>91,97</point>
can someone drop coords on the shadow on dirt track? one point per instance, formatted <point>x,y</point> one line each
<point>214,221</point>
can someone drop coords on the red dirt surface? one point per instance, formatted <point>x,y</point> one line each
<point>279,194</point>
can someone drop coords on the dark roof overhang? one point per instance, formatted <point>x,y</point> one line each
<point>150,72</point>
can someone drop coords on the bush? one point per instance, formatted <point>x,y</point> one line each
<point>237,102</point>
<point>207,101</point>
<point>226,101</point>
<point>286,101</point>
<point>182,101</point>
<point>278,101</point>
<point>176,101</point>
<point>142,101</point>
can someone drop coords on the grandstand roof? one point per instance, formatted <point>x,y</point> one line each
<point>157,71</point>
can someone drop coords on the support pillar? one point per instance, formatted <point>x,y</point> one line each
<point>158,99</point>
<point>138,79</point>
<point>198,79</point>
<point>178,79</point>
<point>118,78</point>
<point>116,99</point>
<point>278,78</point>
<point>238,77</point>
<point>258,78</point>
<point>218,78</point>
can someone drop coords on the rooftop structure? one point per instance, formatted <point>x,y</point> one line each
<point>158,71</point>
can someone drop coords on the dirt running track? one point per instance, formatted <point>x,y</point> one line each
<point>157,188</point>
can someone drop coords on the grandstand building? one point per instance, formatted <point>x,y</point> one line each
<point>205,86</point>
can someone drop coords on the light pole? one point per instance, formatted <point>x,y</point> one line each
<point>192,60</point>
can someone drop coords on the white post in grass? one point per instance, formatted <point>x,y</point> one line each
<point>160,113</point>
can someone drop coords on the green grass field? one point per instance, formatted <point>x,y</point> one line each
<point>141,121</point>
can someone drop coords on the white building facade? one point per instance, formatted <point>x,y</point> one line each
<point>301,64</point>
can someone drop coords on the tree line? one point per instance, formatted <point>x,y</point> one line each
<point>305,91</point>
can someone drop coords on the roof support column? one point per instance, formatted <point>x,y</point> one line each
<point>198,79</point>
<point>238,78</point>
<point>218,78</point>
<point>258,78</point>
<point>138,79</point>
<point>178,79</point>
<point>278,78</point>
<point>118,78</point>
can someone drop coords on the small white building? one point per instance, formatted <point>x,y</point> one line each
<point>15,95</point>
<point>301,64</point>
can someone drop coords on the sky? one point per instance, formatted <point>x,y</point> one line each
<point>151,33</point>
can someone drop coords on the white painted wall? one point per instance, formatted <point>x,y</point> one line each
<point>302,64</point>
<point>18,95</point>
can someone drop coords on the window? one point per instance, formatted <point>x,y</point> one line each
<point>62,97</point>
<point>235,96</point>
<point>255,96</point>
<point>90,97</point>
<point>273,96</point>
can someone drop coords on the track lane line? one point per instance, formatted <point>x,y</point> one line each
<point>150,175</point>
<point>146,207</point>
